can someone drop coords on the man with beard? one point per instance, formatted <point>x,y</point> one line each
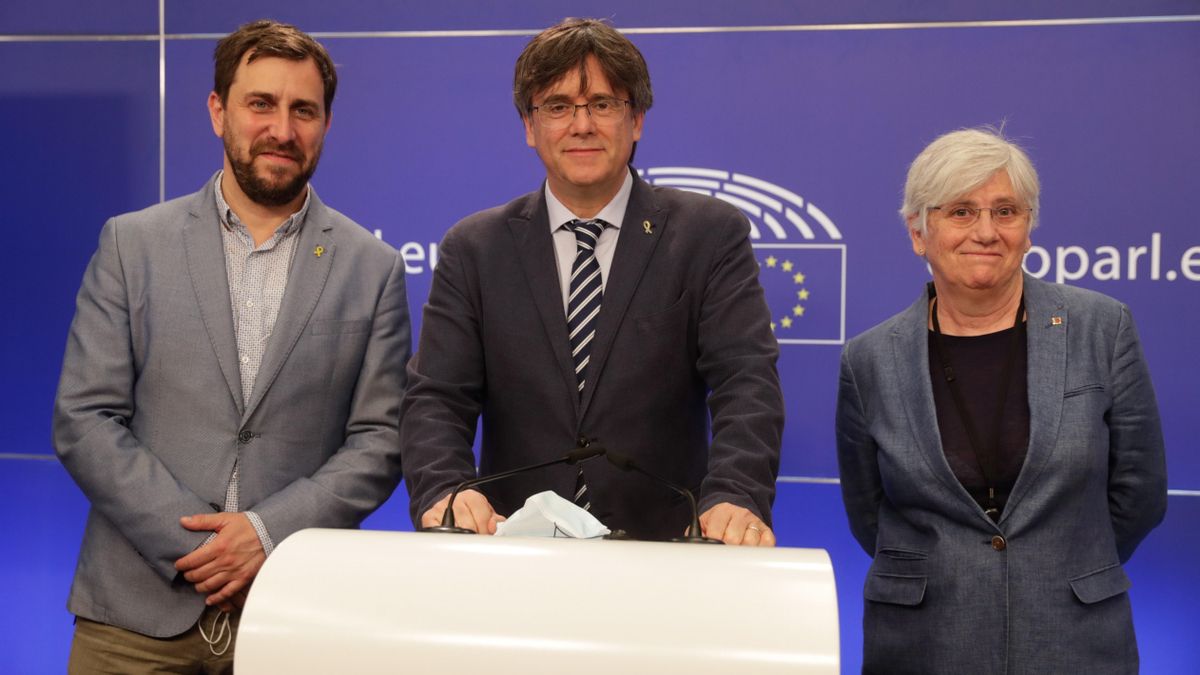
<point>233,374</point>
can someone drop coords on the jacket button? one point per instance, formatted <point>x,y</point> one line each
<point>998,543</point>
<point>245,436</point>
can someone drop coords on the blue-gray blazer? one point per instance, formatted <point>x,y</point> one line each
<point>149,417</point>
<point>1042,590</point>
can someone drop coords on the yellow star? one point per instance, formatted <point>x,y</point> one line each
<point>771,260</point>
<point>787,265</point>
<point>798,277</point>
<point>802,293</point>
<point>786,321</point>
<point>772,326</point>
<point>798,310</point>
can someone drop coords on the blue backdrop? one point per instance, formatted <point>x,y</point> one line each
<point>804,115</point>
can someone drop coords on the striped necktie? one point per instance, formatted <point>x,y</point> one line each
<point>583,307</point>
<point>586,292</point>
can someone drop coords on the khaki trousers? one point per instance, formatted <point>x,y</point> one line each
<point>101,648</point>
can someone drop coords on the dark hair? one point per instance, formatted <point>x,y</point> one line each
<point>555,51</point>
<point>270,38</point>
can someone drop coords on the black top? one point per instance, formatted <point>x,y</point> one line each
<point>978,365</point>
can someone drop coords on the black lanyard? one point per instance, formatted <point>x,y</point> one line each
<point>985,455</point>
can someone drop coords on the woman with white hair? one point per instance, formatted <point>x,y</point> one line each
<point>999,443</point>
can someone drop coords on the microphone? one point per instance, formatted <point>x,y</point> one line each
<point>694,536</point>
<point>575,456</point>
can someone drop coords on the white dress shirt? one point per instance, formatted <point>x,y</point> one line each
<point>565,246</point>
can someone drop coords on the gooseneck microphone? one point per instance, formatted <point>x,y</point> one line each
<point>575,456</point>
<point>694,536</point>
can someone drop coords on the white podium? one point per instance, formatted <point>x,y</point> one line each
<point>346,601</point>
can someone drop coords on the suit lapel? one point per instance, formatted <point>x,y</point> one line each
<point>1046,379</point>
<point>306,280</point>
<point>629,264</point>
<point>910,353</point>
<point>535,251</point>
<point>205,256</point>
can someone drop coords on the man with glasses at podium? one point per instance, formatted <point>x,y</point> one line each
<point>596,309</point>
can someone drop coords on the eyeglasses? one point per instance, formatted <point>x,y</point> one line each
<point>559,114</point>
<point>965,215</point>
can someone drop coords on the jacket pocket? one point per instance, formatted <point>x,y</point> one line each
<point>333,327</point>
<point>895,589</point>
<point>673,315</point>
<point>1085,389</point>
<point>1101,584</point>
<point>902,553</point>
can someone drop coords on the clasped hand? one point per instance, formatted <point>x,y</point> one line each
<point>224,567</point>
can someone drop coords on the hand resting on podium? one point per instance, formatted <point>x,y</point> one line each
<point>471,511</point>
<point>736,526</point>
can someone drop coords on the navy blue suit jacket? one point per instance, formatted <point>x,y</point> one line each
<point>683,338</point>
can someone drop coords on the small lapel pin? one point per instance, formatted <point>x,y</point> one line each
<point>647,227</point>
<point>1056,321</point>
<point>319,251</point>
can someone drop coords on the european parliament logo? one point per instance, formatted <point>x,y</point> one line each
<point>801,257</point>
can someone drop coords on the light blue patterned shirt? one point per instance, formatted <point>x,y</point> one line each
<point>257,280</point>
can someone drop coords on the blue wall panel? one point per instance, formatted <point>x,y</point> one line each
<point>1100,108</point>
<point>424,133</point>
<point>81,146</point>
<point>40,546</point>
<point>187,16</point>
<point>1165,591</point>
<point>73,17</point>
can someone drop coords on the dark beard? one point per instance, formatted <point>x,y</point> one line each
<point>260,191</point>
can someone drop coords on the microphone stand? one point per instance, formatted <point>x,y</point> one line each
<point>693,535</point>
<point>575,456</point>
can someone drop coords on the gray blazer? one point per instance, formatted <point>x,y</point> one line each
<point>1042,590</point>
<point>683,315</point>
<point>149,416</point>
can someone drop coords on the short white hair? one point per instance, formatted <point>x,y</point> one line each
<point>958,163</point>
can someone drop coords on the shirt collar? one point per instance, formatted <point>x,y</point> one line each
<point>612,213</point>
<point>230,220</point>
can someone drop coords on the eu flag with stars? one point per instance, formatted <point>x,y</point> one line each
<point>805,289</point>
